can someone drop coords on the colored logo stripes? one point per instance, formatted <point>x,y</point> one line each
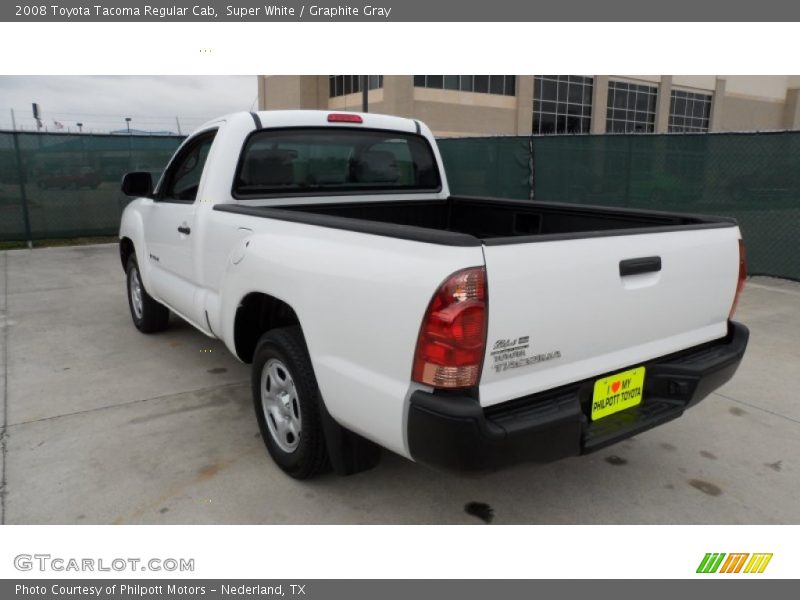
<point>734,563</point>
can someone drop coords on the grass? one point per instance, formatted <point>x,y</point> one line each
<point>57,242</point>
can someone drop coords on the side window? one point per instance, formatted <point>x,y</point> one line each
<point>183,177</point>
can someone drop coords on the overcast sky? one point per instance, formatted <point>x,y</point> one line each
<point>101,103</point>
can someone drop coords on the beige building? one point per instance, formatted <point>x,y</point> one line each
<point>454,105</point>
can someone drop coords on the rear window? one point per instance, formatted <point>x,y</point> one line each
<point>335,160</point>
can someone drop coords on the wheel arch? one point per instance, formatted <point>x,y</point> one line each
<point>257,313</point>
<point>126,249</point>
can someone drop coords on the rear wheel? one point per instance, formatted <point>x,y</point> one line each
<point>148,315</point>
<point>287,403</point>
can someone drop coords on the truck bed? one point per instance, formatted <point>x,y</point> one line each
<point>598,290</point>
<point>475,221</point>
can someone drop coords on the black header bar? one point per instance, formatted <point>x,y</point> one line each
<point>402,11</point>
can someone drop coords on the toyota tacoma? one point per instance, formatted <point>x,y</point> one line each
<point>379,311</point>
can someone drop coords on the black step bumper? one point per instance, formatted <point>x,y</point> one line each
<point>452,431</point>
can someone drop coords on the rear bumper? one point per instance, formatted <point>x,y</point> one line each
<point>452,431</point>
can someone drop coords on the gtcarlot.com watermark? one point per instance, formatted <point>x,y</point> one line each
<point>59,564</point>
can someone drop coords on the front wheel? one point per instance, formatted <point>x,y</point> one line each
<point>148,315</point>
<point>287,403</point>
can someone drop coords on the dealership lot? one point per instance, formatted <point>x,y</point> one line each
<point>106,425</point>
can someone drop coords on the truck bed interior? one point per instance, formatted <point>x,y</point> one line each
<point>493,218</point>
<point>471,221</point>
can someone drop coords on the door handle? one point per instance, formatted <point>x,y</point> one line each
<point>635,266</point>
<point>185,229</point>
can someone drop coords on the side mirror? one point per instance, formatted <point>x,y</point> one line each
<point>138,184</point>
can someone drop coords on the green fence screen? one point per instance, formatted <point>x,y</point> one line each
<point>491,166</point>
<point>752,177</point>
<point>70,182</point>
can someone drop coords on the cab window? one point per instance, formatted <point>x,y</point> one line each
<point>335,160</point>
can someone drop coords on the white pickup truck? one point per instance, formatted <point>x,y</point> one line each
<point>377,310</point>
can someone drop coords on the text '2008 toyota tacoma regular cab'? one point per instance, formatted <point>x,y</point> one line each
<point>377,310</point>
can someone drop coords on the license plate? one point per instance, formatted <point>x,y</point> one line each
<point>617,392</point>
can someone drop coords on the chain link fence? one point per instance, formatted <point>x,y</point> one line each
<point>55,185</point>
<point>67,185</point>
<point>753,177</point>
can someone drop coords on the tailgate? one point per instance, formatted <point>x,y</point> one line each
<point>561,311</point>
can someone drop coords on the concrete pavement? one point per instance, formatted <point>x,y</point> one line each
<point>106,425</point>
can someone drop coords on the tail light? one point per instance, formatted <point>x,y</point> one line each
<point>740,281</point>
<point>452,339</point>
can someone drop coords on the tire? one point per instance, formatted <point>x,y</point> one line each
<point>148,315</point>
<point>287,403</point>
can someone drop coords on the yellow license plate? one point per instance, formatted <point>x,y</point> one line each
<point>617,392</point>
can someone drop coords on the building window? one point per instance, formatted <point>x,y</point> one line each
<point>689,112</point>
<point>562,104</point>
<point>341,85</point>
<point>502,85</point>
<point>631,108</point>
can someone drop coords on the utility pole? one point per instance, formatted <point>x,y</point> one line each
<point>37,116</point>
<point>178,123</point>
<point>13,121</point>
<point>365,93</point>
<point>80,127</point>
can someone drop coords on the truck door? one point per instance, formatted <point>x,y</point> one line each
<point>169,226</point>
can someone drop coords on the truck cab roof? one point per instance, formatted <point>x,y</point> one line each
<point>320,118</point>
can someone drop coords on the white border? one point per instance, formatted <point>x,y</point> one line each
<point>397,48</point>
<point>410,552</point>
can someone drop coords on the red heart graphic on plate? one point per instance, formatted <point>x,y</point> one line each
<point>615,386</point>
